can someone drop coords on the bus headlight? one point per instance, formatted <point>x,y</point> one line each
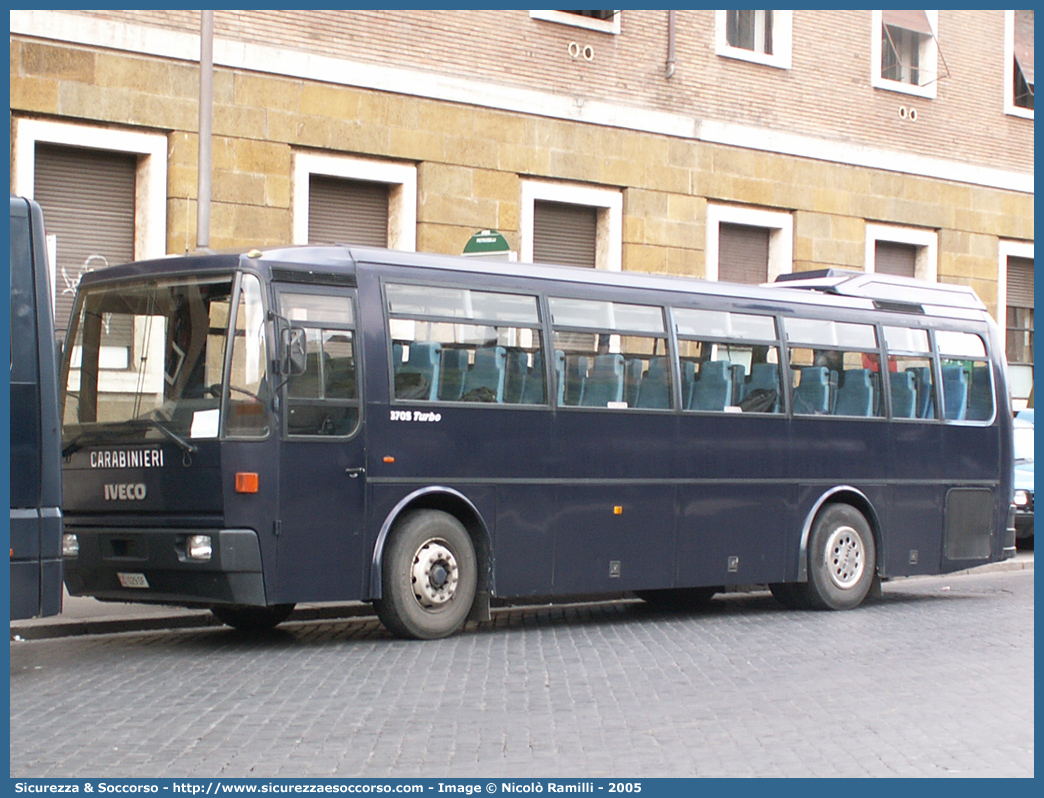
<point>1021,498</point>
<point>198,547</point>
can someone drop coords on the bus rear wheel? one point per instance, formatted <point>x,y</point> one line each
<point>253,619</point>
<point>842,559</point>
<point>430,576</point>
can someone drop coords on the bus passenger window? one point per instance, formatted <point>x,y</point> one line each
<point>910,375</point>
<point>835,368</point>
<point>966,383</point>
<point>459,345</point>
<point>610,355</point>
<point>729,361</point>
<point>324,400</point>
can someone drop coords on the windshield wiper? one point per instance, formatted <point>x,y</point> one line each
<point>154,424</point>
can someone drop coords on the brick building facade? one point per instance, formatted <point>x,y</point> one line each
<point>721,145</point>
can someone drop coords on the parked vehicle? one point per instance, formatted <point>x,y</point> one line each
<point>1024,479</point>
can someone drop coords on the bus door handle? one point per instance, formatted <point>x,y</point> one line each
<point>355,473</point>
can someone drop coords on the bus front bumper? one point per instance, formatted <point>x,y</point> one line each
<point>165,566</point>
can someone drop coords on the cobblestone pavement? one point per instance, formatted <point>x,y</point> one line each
<point>933,679</point>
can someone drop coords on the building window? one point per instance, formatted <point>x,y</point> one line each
<point>349,201</point>
<point>103,192</point>
<point>602,21</point>
<point>1015,307</point>
<point>572,225</point>
<point>902,251</point>
<point>1018,56</point>
<point>747,245</point>
<point>763,37</point>
<point>906,51</point>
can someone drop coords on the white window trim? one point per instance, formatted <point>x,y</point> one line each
<point>1005,250</point>
<point>926,265</point>
<point>781,236</point>
<point>150,187</point>
<point>929,64</point>
<point>608,202</point>
<point>402,195</point>
<point>782,38</point>
<point>565,18</point>
<point>1009,69</point>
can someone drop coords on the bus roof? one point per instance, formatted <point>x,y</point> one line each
<point>824,288</point>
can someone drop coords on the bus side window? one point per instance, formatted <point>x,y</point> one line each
<point>910,375</point>
<point>610,355</point>
<point>324,400</point>
<point>835,368</point>
<point>459,345</point>
<point>966,382</point>
<point>729,361</point>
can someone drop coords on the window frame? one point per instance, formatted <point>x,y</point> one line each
<point>400,178</point>
<point>928,61</point>
<point>781,56</point>
<point>608,204</point>
<point>780,225</point>
<point>1010,108</point>
<point>611,26</point>
<point>926,265</point>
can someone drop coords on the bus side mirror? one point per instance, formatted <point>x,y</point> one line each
<point>295,358</point>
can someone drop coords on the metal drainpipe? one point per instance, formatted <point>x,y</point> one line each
<point>669,71</point>
<point>206,114</point>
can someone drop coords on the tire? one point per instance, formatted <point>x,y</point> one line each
<point>252,619</point>
<point>842,560</point>
<point>682,598</point>
<point>430,576</point>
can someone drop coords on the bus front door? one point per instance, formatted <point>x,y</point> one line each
<point>321,469</point>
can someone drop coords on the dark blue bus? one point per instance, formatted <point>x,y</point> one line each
<point>36,487</point>
<point>314,424</point>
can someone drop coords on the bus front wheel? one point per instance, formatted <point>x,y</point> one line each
<point>430,576</point>
<point>252,619</point>
<point>842,559</point>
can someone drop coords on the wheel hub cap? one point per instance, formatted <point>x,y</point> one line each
<point>434,574</point>
<point>846,557</point>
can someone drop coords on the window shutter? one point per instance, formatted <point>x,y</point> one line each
<point>894,258</point>
<point>916,21</point>
<point>87,197</point>
<point>1020,282</point>
<point>347,212</point>
<point>1024,43</point>
<point>565,233</point>
<point>743,253</point>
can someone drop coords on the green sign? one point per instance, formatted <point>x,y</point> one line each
<point>487,243</point>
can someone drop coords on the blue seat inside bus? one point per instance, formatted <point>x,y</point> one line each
<point>571,371</point>
<point>764,377</point>
<point>605,382</point>
<point>856,394</point>
<point>955,392</point>
<point>925,403</point>
<point>904,394</point>
<point>654,391</point>
<point>812,394</point>
<point>533,391</point>
<point>484,381</point>
<point>980,397</point>
<point>633,368</point>
<point>418,377</point>
<point>713,387</point>
<point>516,373</point>
<point>451,379</point>
<point>688,380</point>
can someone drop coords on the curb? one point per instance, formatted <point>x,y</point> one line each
<point>49,628</point>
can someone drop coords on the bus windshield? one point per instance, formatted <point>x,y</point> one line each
<point>147,361</point>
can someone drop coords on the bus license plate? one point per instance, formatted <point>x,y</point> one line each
<point>133,580</point>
